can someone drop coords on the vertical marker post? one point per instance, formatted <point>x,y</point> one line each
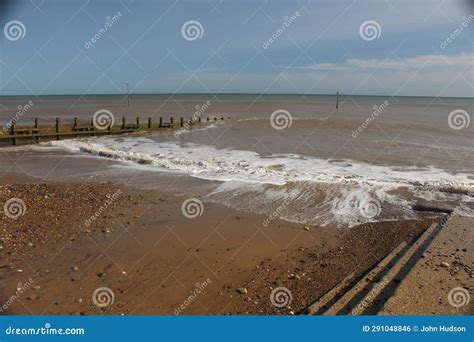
<point>337,100</point>
<point>128,97</point>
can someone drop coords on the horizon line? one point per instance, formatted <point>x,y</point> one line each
<point>235,94</point>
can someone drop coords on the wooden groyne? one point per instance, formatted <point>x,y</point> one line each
<point>15,135</point>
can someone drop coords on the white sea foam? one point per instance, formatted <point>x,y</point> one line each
<point>209,162</point>
<point>340,186</point>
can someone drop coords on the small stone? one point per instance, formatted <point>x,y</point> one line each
<point>306,227</point>
<point>78,300</point>
<point>36,287</point>
<point>31,244</point>
<point>101,274</point>
<point>445,264</point>
<point>242,290</point>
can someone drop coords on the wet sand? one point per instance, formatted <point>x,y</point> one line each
<point>153,258</point>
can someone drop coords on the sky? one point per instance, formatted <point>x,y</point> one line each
<point>318,47</point>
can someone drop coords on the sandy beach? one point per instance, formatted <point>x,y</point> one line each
<point>153,258</point>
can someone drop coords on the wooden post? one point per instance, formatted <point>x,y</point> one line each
<point>57,128</point>
<point>138,120</point>
<point>199,120</point>
<point>207,119</point>
<point>123,122</point>
<point>37,133</point>
<point>337,100</point>
<point>12,128</point>
<point>161,122</point>
<point>171,120</point>
<point>149,122</point>
<point>74,128</point>
<point>182,122</point>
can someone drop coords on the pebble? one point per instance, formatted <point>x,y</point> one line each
<point>75,268</point>
<point>306,228</point>
<point>36,287</point>
<point>242,290</point>
<point>445,264</point>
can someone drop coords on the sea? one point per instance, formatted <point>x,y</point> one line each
<point>313,159</point>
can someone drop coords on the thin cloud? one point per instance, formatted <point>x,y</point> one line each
<point>463,60</point>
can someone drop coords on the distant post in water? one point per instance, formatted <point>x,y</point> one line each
<point>138,120</point>
<point>128,97</point>
<point>182,122</point>
<point>161,122</point>
<point>337,100</point>
<point>37,132</point>
<point>12,132</point>
<point>57,128</point>
<point>123,122</point>
<point>149,122</point>
<point>171,120</point>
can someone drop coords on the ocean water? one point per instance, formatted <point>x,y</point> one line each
<point>298,158</point>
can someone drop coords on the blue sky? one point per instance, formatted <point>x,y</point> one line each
<point>319,52</point>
